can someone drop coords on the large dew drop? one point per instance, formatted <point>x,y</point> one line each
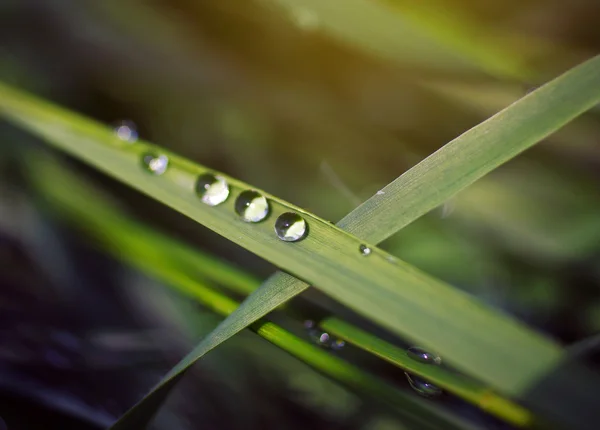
<point>419,354</point>
<point>252,206</point>
<point>154,163</point>
<point>290,227</point>
<point>213,190</point>
<point>422,387</point>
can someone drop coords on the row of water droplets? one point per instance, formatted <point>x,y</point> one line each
<point>213,190</point>
<point>253,207</point>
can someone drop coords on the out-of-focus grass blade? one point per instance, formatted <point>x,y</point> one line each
<point>162,258</point>
<point>422,188</point>
<point>416,33</point>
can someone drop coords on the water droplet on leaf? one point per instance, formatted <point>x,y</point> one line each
<point>320,338</point>
<point>380,193</point>
<point>252,206</point>
<point>213,190</point>
<point>419,354</point>
<point>290,227</point>
<point>422,387</point>
<point>156,164</point>
<point>364,249</point>
<point>126,130</point>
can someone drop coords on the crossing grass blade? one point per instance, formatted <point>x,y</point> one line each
<point>160,257</point>
<point>470,336</point>
<point>413,194</point>
<point>186,270</point>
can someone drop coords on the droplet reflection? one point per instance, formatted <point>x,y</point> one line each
<point>213,190</point>
<point>156,164</point>
<point>252,206</point>
<point>290,227</point>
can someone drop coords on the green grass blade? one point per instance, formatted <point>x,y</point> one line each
<point>161,258</point>
<point>397,296</point>
<point>152,254</point>
<point>421,189</point>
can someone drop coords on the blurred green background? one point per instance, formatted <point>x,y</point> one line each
<point>320,103</point>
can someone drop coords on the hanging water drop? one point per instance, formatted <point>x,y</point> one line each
<point>364,249</point>
<point>422,387</point>
<point>213,190</point>
<point>126,130</point>
<point>156,164</point>
<point>252,206</point>
<point>290,227</point>
<point>318,336</point>
<point>419,354</point>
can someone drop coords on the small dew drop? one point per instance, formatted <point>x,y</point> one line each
<point>380,193</point>
<point>338,344</point>
<point>419,354</point>
<point>213,190</point>
<point>156,164</point>
<point>422,387</point>
<point>252,206</point>
<point>364,249</point>
<point>290,227</point>
<point>320,338</point>
<point>126,131</point>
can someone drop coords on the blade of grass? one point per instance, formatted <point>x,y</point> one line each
<point>381,287</point>
<point>161,257</point>
<point>425,305</point>
<point>426,186</point>
<point>151,253</point>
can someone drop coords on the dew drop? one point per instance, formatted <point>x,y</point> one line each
<point>419,354</point>
<point>290,227</point>
<point>320,338</point>
<point>364,249</point>
<point>338,344</point>
<point>252,206</point>
<point>380,193</point>
<point>422,387</point>
<point>127,131</point>
<point>213,190</point>
<point>156,164</point>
